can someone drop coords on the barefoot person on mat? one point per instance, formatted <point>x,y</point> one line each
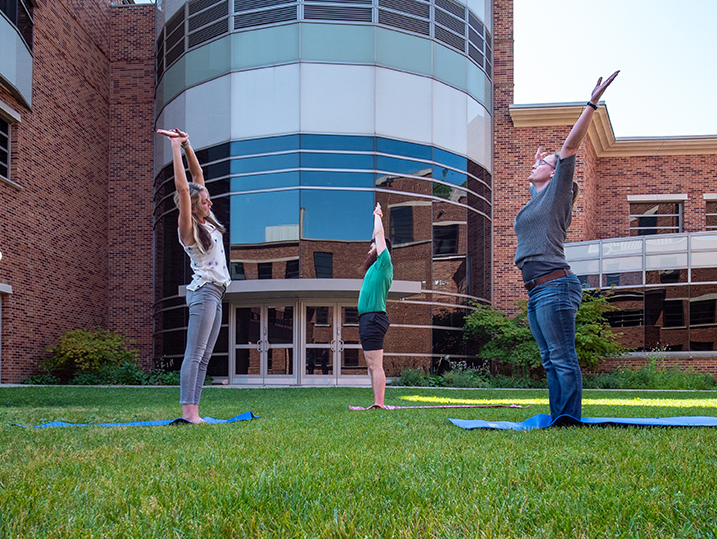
<point>373,322</point>
<point>554,291</point>
<point>201,236</point>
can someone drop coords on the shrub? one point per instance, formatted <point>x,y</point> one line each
<point>42,379</point>
<point>510,342</point>
<point>89,351</point>
<point>411,378</point>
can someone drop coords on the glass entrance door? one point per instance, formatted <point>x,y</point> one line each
<point>264,337</point>
<point>332,350</point>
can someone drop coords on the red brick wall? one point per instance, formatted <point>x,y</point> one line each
<point>63,258</point>
<point>55,259</point>
<point>130,185</point>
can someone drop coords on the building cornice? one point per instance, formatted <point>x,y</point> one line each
<point>602,135</point>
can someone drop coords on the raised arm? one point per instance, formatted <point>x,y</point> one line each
<point>378,233</point>
<point>178,139</point>
<point>580,129</point>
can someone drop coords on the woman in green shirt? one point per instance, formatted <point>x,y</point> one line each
<point>373,322</point>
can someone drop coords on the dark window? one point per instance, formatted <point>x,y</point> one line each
<point>655,218</point>
<point>292,269</point>
<point>4,149</point>
<point>702,312</point>
<point>700,346</point>
<point>322,316</point>
<point>445,240</point>
<point>237,271</point>
<point>626,318</point>
<point>711,215</point>
<point>324,265</point>
<point>674,314</point>
<point>401,225</point>
<point>351,316</point>
<point>265,270</point>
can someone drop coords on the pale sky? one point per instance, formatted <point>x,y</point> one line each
<point>666,51</point>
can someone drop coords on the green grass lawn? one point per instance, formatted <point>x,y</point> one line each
<point>309,467</point>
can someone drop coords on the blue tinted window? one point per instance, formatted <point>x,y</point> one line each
<point>267,162</point>
<point>262,217</point>
<point>265,181</point>
<point>448,175</point>
<point>337,215</point>
<point>400,166</point>
<point>265,145</point>
<point>336,160</point>
<point>337,142</point>
<point>337,179</point>
<point>407,149</point>
<point>452,160</point>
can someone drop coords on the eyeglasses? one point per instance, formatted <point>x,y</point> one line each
<point>544,162</point>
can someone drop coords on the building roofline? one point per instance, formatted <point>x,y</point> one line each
<point>602,135</point>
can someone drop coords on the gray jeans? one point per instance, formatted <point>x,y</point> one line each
<point>205,320</point>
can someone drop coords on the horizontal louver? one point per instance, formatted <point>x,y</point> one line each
<point>249,5</point>
<point>337,13</point>
<point>209,32</point>
<point>450,22</point>
<point>452,7</point>
<point>260,18</point>
<point>208,16</point>
<point>449,38</point>
<point>411,7</point>
<point>404,22</point>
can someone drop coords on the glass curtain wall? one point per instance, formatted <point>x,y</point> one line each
<point>664,288</point>
<point>300,207</point>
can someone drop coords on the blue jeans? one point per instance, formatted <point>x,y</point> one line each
<point>551,313</point>
<point>205,320</point>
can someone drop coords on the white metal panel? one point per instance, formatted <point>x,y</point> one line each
<point>450,130</point>
<point>337,99</point>
<point>208,107</point>
<point>479,134</point>
<point>173,115</point>
<point>265,102</point>
<point>403,106</point>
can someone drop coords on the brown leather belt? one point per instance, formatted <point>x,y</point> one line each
<point>545,278</point>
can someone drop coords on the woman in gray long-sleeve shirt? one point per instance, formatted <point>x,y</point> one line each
<point>554,291</point>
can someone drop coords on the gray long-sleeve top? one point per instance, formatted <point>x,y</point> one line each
<point>542,225</point>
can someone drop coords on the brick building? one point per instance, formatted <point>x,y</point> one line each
<point>409,104</point>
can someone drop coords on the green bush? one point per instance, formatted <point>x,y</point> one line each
<point>411,378</point>
<point>651,376</point>
<point>42,379</point>
<point>464,378</point>
<point>509,341</point>
<point>89,351</point>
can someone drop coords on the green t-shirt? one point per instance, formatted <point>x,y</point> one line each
<point>376,282</point>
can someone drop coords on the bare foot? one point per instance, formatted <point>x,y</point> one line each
<point>375,406</point>
<point>194,420</point>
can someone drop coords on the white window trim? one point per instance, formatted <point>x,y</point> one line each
<point>657,198</point>
<point>12,117</point>
<point>710,196</point>
<point>5,289</point>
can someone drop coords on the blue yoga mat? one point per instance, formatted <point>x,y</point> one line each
<point>542,421</point>
<point>161,422</point>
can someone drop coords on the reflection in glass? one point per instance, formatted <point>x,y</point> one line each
<point>256,182</point>
<point>320,178</point>
<point>264,217</point>
<point>265,145</point>
<point>337,215</point>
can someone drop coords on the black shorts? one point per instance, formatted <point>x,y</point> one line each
<point>372,328</point>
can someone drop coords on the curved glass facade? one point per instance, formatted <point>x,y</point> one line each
<point>308,112</point>
<point>664,287</point>
<point>300,207</point>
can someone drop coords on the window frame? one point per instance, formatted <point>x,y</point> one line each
<point>12,119</point>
